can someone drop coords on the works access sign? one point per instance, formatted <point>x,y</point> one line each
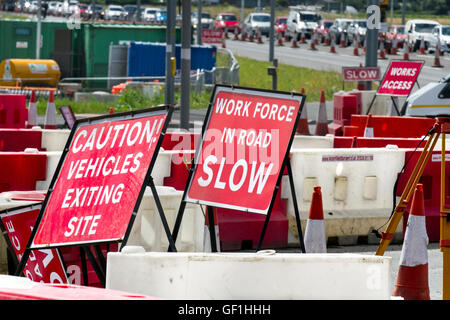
<point>400,77</point>
<point>245,139</point>
<point>96,190</point>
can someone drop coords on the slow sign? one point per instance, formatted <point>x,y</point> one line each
<point>211,36</point>
<point>400,77</point>
<point>361,73</point>
<point>101,178</point>
<point>243,147</point>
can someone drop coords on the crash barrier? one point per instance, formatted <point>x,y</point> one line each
<point>41,139</point>
<point>192,276</point>
<point>357,188</point>
<point>13,111</point>
<point>390,126</point>
<point>148,231</point>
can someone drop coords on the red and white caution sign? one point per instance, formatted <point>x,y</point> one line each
<point>245,140</point>
<point>43,265</point>
<point>101,178</point>
<point>400,77</point>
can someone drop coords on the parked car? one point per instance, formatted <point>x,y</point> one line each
<point>73,5</point>
<point>443,34</point>
<point>7,5</point>
<point>255,21</point>
<point>59,9</point>
<point>357,26</point>
<point>206,20</point>
<point>324,27</point>
<point>339,27</point>
<point>226,21</point>
<point>33,8</point>
<point>149,14</point>
<point>418,28</point>
<point>52,5</point>
<point>300,21</point>
<point>19,5</point>
<point>131,11</point>
<point>115,12</point>
<point>95,12</point>
<point>395,32</point>
<point>280,25</point>
<point>81,9</point>
<point>161,16</point>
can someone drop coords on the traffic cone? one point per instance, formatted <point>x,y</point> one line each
<point>206,235</point>
<point>312,43</point>
<point>332,42</point>
<point>358,39</point>
<point>394,46</point>
<point>355,47</point>
<point>294,41</point>
<point>251,36</point>
<point>422,46</point>
<point>322,121</point>
<point>406,50</point>
<point>280,40</point>
<point>327,39</point>
<point>302,126</point>
<point>412,277</point>
<point>382,52</point>
<point>258,36</point>
<point>315,37</point>
<point>315,239</point>
<point>243,35</point>
<point>302,36</point>
<point>32,111</point>
<point>368,131</point>
<point>225,32</point>
<point>236,33</point>
<point>111,110</point>
<point>437,61</point>
<point>50,113</point>
<point>342,44</point>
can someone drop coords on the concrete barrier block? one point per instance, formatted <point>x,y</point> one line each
<point>262,275</point>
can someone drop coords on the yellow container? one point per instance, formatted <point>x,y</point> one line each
<point>30,72</point>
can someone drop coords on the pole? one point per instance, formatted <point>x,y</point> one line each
<point>170,51</point>
<point>138,10</point>
<point>392,13</point>
<point>38,31</point>
<point>242,11</point>
<point>185,63</point>
<point>272,31</point>
<point>403,12</point>
<point>373,25</point>
<point>199,23</point>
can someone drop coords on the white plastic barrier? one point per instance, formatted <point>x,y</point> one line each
<point>259,276</point>
<point>381,106</point>
<point>305,142</point>
<point>53,139</point>
<point>148,231</point>
<point>357,187</point>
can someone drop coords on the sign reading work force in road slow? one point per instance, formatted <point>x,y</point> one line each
<point>244,143</point>
<point>102,176</point>
<point>400,77</point>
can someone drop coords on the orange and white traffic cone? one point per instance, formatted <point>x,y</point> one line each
<point>422,46</point>
<point>280,40</point>
<point>355,47</point>
<point>342,43</point>
<point>394,46</point>
<point>111,110</point>
<point>406,50</point>
<point>302,36</point>
<point>32,111</point>
<point>236,34</point>
<point>302,126</point>
<point>258,36</point>
<point>312,43</point>
<point>358,39</point>
<point>332,48</point>
<point>322,120</point>
<point>294,41</point>
<point>206,235</point>
<point>368,131</point>
<point>412,277</point>
<point>50,113</point>
<point>315,239</point>
<point>327,39</point>
<point>382,52</point>
<point>437,61</point>
<point>315,37</point>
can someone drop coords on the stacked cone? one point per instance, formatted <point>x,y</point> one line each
<point>355,47</point>
<point>280,40</point>
<point>50,113</point>
<point>302,36</point>
<point>32,111</point>
<point>322,120</point>
<point>332,42</point>
<point>406,50</point>
<point>422,46</point>
<point>312,43</point>
<point>368,131</point>
<point>302,126</point>
<point>236,34</point>
<point>437,61</point>
<point>294,41</point>
<point>206,234</point>
<point>412,277</point>
<point>315,239</point>
<point>394,46</point>
<point>382,52</point>
<point>258,36</point>
<point>342,44</point>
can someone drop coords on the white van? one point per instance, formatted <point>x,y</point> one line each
<point>416,29</point>
<point>299,20</point>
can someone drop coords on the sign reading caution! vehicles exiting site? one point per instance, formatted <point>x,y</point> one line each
<point>243,150</point>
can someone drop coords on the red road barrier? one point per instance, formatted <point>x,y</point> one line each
<point>180,141</point>
<point>17,140</point>
<point>20,171</point>
<point>13,111</point>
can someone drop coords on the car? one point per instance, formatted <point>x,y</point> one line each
<point>441,32</point>
<point>161,16</point>
<point>73,5</point>
<point>280,26</point>
<point>59,9</point>
<point>324,27</point>
<point>52,5</point>
<point>395,32</point>
<point>19,5</point>
<point>357,26</point>
<point>206,20</point>
<point>339,27</point>
<point>301,21</point>
<point>7,5</point>
<point>131,10</point>
<point>149,14</point>
<point>416,29</point>
<point>115,12</point>
<point>257,21</point>
<point>226,21</point>
<point>96,12</point>
<point>81,9</point>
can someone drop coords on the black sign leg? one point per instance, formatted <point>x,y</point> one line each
<point>163,217</point>
<point>212,229</point>
<point>22,262</point>
<point>371,103</point>
<point>98,270</point>
<point>395,105</point>
<point>266,222</point>
<point>100,257</point>
<point>84,267</point>
<point>294,200</point>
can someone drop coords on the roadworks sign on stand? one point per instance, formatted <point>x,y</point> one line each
<point>244,148</point>
<point>100,180</point>
<point>398,80</point>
